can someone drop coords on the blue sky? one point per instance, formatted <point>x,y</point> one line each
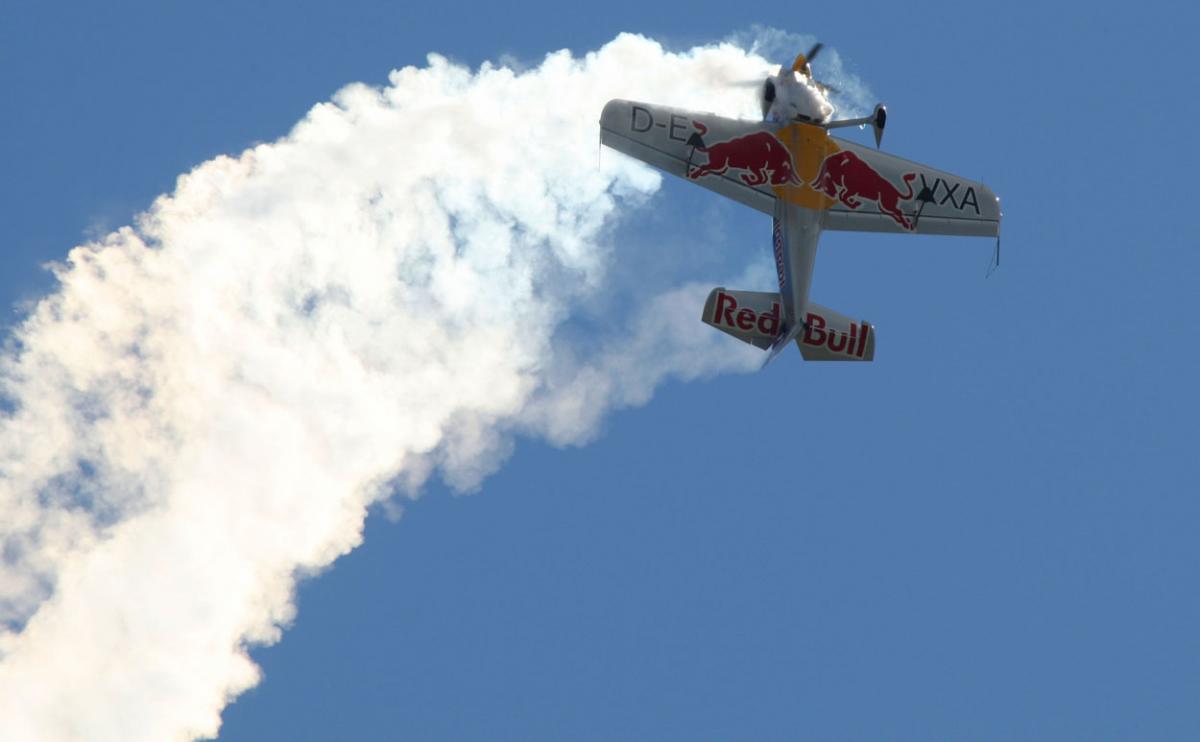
<point>986,534</point>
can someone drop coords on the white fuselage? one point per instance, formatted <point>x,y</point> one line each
<point>797,97</point>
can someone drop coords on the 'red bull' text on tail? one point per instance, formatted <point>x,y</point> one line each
<point>756,317</point>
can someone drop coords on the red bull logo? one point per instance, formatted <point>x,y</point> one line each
<point>852,343</point>
<point>848,178</point>
<point>744,319</point>
<point>760,156</point>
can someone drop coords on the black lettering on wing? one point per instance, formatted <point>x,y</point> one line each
<point>678,124</point>
<point>646,119</point>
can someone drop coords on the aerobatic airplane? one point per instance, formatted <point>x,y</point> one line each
<point>789,166</point>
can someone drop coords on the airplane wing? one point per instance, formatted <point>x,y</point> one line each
<point>667,138</point>
<point>877,192</point>
<point>859,188</point>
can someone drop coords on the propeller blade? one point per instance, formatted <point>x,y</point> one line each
<point>826,87</point>
<point>803,61</point>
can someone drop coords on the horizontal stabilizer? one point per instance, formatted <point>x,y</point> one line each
<point>755,317</point>
<point>830,336</point>
<point>750,316</point>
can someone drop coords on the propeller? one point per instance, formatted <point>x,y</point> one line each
<point>803,61</point>
<point>769,89</point>
<point>803,65</point>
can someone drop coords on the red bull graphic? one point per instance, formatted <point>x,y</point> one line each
<point>852,343</point>
<point>760,155</point>
<point>727,313</point>
<point>848,178</point>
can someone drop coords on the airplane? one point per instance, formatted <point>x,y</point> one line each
<point>789,166</point>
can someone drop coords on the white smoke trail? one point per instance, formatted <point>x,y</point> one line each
<point>209,403</point>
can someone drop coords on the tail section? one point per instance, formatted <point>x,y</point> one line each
<point>755,317</point>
